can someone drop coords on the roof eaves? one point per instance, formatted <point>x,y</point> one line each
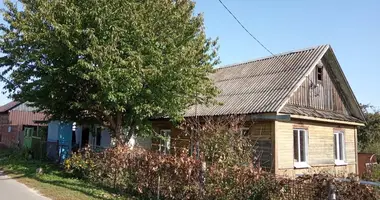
<point>348,85</point>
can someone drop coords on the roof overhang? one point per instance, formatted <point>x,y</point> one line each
<point>270,116</point>
<point>326,120</point>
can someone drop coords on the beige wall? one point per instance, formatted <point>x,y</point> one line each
<point>320,148</point>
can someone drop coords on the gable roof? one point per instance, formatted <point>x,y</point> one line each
<point>9,106</point>
<point>265,85</point>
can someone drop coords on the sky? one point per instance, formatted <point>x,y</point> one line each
<point>351,27</point>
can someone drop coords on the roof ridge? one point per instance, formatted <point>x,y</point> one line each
<point>8,106</point>
<point>271,56</point>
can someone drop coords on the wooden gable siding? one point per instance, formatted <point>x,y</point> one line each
<point>25,108</point>
<point>322,95</point>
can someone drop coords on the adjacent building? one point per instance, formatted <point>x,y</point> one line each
<point>15,118</point>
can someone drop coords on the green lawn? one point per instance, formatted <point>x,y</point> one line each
<point>53,183</point>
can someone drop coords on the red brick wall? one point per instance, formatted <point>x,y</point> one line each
<point>12,138</point>
<point>4,118</point>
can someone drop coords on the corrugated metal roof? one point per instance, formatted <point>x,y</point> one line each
<point>9,106</point>
<point>259,86</point>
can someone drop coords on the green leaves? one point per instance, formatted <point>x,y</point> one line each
<point>117,62</point>
<point>369,135</point>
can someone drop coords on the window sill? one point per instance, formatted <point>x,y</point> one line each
<point>340,163</point>
<point>301,165</point>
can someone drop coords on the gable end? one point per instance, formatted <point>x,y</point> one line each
<point>325,93</point>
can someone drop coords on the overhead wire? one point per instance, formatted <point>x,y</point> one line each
<point>258,41</point>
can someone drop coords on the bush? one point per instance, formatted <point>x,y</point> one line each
<point>372,173</point>
<point>240,183</point>
<point>80,165</point>
<point>148,175</point>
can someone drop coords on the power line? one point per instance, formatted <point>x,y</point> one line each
<point>257,40</point>
<point>241,24</point>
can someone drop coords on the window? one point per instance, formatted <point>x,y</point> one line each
<point>98,136</point>
<point>319,73</point>
<point>164,146</point>
<point>1,138</point>
<point>9,129</point>
<point>300,148</point>
<point>28,132</point>
<point>339,148</point>
<point>244,131</point>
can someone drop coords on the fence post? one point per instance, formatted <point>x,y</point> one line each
<point>203,177</point>
<point>332,191</point>
<point>158,187</point>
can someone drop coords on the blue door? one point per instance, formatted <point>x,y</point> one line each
<point>65,131</point>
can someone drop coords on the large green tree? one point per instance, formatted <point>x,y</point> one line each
<point>117,62</point>
<point>369,135</point>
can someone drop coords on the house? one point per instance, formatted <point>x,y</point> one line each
<point>304,111</point>
<point>64,137</point>
<point>15,118</point>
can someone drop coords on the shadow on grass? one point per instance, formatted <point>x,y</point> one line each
<point>27,169</point>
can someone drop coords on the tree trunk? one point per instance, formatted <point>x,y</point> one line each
<point>119,133</point>
<point>119,136</point>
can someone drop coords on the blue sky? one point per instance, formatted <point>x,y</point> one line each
<point>351,27</point>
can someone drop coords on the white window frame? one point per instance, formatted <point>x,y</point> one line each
<point>338,148</point>
<point>164,146</point>
<point>244,129</point>
<point>301,164</point>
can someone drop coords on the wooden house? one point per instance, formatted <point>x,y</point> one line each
<point>302,106</point>
<point>15,119</point>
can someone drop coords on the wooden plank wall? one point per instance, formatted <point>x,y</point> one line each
<point>320,147</point>
<point>322,95</point>
<point>261,132</point>
<point>179,142</point>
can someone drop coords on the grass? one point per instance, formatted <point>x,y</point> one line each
<point>54,182</point>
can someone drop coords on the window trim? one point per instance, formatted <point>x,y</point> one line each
<point>319,74</point>
<point>242,129</point>
<point>298,164</point>
<point>339,161</point>
<point>165,144</point>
